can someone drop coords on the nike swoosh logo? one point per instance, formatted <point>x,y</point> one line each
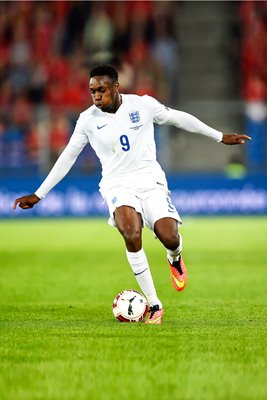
<point>178,283</point>
<point>102,126</point>
<point>139,273</point>
<point>154,320</point>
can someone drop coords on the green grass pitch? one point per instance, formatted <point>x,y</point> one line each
<point>58,337</point>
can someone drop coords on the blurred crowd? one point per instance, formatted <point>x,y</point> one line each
<point>48,47</point>
<point>46,51</point>
<point>253,15</point>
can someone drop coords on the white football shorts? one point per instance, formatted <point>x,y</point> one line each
<point>152,204</point>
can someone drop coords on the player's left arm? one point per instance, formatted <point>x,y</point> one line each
<point>188,122</point>
<point>235,138</point>
<point>192,124</point>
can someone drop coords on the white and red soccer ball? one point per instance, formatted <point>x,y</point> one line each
<point>130,306</point>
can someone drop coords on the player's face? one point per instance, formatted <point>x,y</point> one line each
<point>104,93</point>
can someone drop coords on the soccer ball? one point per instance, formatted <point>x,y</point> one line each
<point>130,306</point>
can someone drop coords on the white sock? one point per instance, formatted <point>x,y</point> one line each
<point>174,255</point>
<point>141,270</point>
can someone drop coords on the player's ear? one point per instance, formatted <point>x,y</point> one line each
<point>116,86</point>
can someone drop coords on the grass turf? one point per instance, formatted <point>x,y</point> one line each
<point>58,337</point>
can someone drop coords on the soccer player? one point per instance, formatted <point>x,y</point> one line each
<point>120,130</point>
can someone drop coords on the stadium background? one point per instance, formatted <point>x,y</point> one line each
<point>59,276</point>
<point>206,58</point>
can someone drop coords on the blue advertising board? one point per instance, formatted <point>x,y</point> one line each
<point>192,195</point>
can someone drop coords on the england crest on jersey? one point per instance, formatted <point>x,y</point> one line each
<point>134,117</point>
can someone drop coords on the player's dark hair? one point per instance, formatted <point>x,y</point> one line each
<point>105,70</point>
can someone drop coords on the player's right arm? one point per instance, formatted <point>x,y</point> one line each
<point>26,201</point>
<point>59,170</point>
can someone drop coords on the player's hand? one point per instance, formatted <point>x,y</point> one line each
<point>26,201</point>
<point>235,139</point>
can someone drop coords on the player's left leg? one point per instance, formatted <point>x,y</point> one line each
<point>162,217</point>
<point>166,230</point>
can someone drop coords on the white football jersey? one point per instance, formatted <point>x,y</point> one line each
<point>124,143</point>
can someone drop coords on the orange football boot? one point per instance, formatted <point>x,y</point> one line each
<point>178,274</point>
<point>155,315</point>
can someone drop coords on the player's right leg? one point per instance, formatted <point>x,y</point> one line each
<point>129,223</point>
<point>155,315</point>
<point>126,215</point>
